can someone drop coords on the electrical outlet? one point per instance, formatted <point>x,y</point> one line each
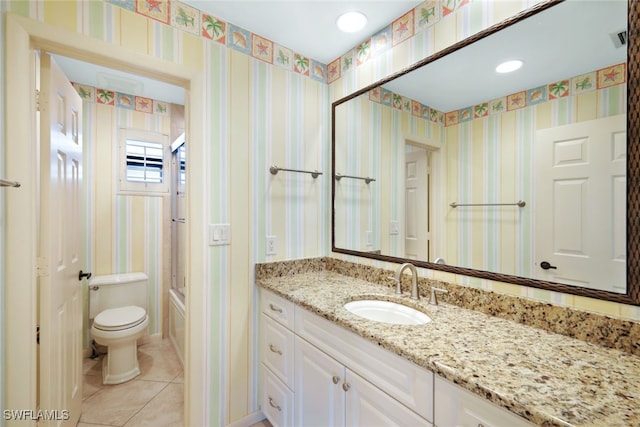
<point>369,237</point>
<point>271,245</point>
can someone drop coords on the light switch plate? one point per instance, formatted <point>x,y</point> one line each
<point>394,228</point>
<point>219,234</point>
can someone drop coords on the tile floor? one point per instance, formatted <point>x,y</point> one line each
<point>154,398</point>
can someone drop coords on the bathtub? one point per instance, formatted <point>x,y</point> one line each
<point>176,322</point>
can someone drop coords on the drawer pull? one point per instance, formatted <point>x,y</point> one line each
<point>336,379</point>
<point>346,386</point>
<point>274,349</point>
<point>274,405</point>
<point>275,308</point>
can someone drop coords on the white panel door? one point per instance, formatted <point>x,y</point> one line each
<point>60,247</point>
<point>416,206</point>
<point>319,397</point>
<point>580,204</point>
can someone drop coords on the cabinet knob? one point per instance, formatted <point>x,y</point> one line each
<point>346,386</point>
<point>336,379</point>
<point>275,308</point>
<point>274,405</point>
<point>274,349</point>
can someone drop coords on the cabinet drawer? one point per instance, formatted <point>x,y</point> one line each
<point>456,406</point>
<point>277,400</point>
<point>277,349</point>
<point>407,382</point>
<point>277,308</point>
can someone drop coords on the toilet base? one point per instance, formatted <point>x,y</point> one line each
<point>120,364</point>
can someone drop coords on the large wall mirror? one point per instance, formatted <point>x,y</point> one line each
<point>530,177</point>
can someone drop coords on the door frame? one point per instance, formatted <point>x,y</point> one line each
<point>23,37</point>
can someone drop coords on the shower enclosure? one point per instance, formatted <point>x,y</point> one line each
<point>178,234</point>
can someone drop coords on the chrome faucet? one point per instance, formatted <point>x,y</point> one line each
<point>414,279</point>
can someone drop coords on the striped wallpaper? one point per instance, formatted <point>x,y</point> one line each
<point>257,114</point>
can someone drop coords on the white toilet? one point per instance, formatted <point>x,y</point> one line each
<point>118,309</point>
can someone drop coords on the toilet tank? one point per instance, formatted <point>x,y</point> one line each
<point>117,290</point>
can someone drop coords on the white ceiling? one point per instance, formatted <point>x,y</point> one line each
<point>307,27</point>
<point>553,44</point>
<point>107,78</point>
<point>552,50</point>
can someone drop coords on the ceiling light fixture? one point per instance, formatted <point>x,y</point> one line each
<point>509,66</point>
<point>350,22</point>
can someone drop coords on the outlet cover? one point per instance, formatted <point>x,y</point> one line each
<point>369,237</point>
<point>271,245</point>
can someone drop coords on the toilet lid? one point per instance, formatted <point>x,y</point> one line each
<point>119,318</point>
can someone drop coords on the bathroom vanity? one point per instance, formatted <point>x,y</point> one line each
<point>322,365</point>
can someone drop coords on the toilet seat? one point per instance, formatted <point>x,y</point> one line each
<point>116,319</point>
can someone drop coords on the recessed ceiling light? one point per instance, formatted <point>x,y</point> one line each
<point>509,66</point>
<point>350,22</point>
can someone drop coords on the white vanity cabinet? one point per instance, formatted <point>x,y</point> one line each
<point>458,407</point>
<point>317,373</point>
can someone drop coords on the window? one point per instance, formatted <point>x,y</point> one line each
<point>143,160</point>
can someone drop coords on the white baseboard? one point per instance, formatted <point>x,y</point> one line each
<point>249,420</point>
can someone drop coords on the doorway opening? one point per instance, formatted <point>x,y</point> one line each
<point>24,36</point>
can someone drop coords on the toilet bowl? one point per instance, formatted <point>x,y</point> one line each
<point>116,304</point>
<point>119,329</point>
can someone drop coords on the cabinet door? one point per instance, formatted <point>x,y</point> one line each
<point>457,407</point>
<point>368,406</point>
<point>319,398</point>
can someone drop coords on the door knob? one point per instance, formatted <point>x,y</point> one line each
<point>81,275</point>
<point>546,266</point>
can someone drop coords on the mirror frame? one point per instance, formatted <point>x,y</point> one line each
<point>632,296</point>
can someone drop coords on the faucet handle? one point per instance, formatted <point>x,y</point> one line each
<point>397,282</point>
<point>433,300</point>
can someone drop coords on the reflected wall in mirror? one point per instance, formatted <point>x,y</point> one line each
<point>520,178</point>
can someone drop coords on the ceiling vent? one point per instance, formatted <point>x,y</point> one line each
<point>619,38</point>
<point>119,83</point>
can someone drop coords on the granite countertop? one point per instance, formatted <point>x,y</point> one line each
<point>547,378</point>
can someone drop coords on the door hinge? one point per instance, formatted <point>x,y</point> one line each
<point>38,334</point>
<point>42,267</point>
<point>37,100</point>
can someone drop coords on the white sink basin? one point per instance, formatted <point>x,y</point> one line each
<point>387,312</point>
